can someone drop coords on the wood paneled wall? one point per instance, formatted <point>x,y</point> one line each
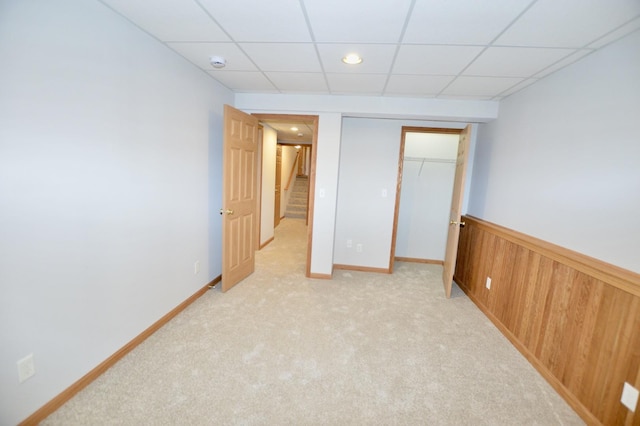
<point>576,319</point>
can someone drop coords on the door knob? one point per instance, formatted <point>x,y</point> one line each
<point>453,222</point>
<point>227,211</point>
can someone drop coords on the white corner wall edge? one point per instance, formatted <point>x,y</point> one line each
<point>326,193</point>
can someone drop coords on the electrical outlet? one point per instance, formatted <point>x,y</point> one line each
<point>629,397</point>
<point>349,243</point>
<point>26,368</point>
<point>359,248</point>
<point>196,267</point>
<point>488,284</point>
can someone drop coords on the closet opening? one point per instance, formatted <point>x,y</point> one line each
<point>426,173</point>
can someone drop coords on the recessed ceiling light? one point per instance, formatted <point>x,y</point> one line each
<point>298,146</point>
<point>301,134</point>
<point>352,59</point>
<point>294,129</point>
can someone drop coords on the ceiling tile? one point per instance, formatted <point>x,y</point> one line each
<point>357,20</point>
<point>376,58</point>
<point>244,81</point>
<point>170,20</point>
<point>480,86</point>
<point>568,23</point>
<point>283,56</point>
<point>299,82</point>
<point>515,61</point>
<point>200,54</point>
<point>284,46</point>
<point>356,83</point>
<point>461,21</point>
<point>417,85</point>
<point>260,21</point>
<point>442,60</point>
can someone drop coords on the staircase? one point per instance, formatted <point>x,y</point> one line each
<point>297,206</point>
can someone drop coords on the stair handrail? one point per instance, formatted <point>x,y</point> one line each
<point>293,169</point>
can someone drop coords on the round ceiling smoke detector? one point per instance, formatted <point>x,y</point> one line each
<point>218,62</point>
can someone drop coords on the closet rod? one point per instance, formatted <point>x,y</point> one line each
<point>429,160</point>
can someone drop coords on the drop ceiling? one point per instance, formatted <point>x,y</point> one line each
<point>453,49</point>
<point>291,132</point>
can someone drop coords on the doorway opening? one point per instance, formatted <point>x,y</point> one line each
<point>287,162</point>
<point>431,170</point>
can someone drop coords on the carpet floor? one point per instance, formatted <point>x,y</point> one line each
<point>360,349</point>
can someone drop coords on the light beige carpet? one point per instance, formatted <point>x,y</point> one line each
<point>361,349</point>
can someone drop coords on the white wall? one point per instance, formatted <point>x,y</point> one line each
<point>325,193</point>
<point>269,143</point>
<point>369,156</point>
<point>425,199</point>
<point>366,191</point>
<point>562,162</point>
<point>106,189</point>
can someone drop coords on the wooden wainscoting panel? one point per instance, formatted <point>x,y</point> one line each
<point>555,317</point>
<point>577,322</point>
<point>618,277</point>
<point>541,284</point>
<point>482,268</point>
<point>621,355</point>
<point>516,297</point>
<point>577,337</point>
<point>599,353</point>
<point>633,369</point>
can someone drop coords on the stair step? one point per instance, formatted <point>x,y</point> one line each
<point>297,206</point>
<point>296,215</point>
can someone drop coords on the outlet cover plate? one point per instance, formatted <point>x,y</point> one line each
<point>26,368</point>
<point>629,396</point>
